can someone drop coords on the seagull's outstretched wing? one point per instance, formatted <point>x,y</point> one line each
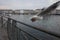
<point>45,12</point>
<point>49,9</point>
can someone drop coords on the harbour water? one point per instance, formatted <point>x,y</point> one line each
<point>49,23</point>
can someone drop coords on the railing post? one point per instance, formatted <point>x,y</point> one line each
<point>9,28</point>
<point>18,34</point>
<point>14,30</point>
<point>1,21</point>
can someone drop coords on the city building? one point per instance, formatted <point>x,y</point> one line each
<point>27,12</point>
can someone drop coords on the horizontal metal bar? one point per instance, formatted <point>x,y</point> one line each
<point>27,33</point>
<point>35,28</point>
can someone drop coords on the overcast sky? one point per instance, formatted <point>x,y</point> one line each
<point>25,4</point>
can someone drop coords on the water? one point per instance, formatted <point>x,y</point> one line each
<point>49,23</point>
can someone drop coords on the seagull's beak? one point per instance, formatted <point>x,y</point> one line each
<point>35,18</point>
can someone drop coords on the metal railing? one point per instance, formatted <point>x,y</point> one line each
<point>19,33</point>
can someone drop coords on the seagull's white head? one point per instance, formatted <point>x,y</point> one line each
<point>35,18</point>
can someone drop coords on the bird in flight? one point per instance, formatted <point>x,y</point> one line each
<point>45,12</point>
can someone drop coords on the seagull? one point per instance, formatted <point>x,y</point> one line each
<point>45,12</point>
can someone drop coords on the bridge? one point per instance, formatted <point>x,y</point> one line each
<point>13,29</point>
